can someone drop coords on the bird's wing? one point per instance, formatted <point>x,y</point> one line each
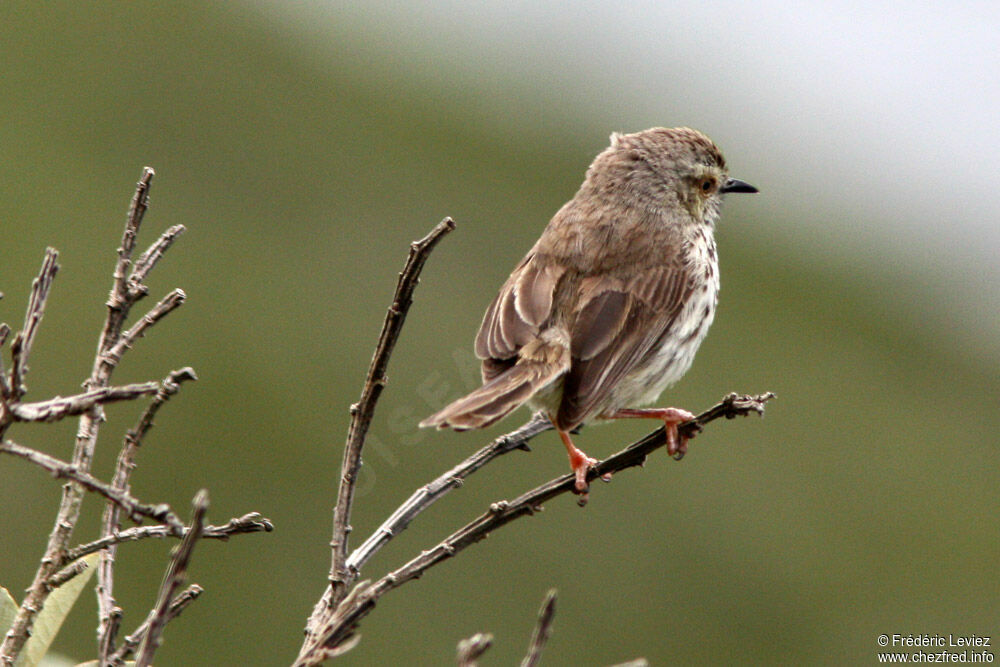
<point>618,326</point>
<point>517,313</point>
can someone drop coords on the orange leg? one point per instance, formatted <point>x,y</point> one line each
<point>677,444</point>
<point>578,461</point>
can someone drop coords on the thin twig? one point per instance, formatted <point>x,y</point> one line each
<point>59,407</point>
<point>341,578</point>
<point>542,632</point>
<point>108,612</point>
<point>428,494</point>
<point>177,605</point>
<point>248,523</point>
<point>20,348</point>
<point>362,411</point>
<point>174,578</point>
<point>67,573</point>
<point>120,300</point>
<point>341,624</point>
<point>5,393</point>
<point>168,303</point>
<point>63,470</point>
<point>148,259</point>
<point>471,649</point>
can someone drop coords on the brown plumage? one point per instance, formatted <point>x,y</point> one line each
<point>610,305</point>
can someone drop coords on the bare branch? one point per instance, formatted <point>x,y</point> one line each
<point>148,260</point>
<point>5,393</point>
<point>177,605</point>
<point>107,615</point>
<point>59,407</point>
<point>543,630</point>
<point>342,622</point>
<point>248,523</point>
<point>168,303</point>
<point>65,574</point>
<point>119,300</point>
<point>428,494</point>
<point>471,649</point>
<point>174,578</point>
<point>362,411</point>
<point>20,348</point>
<point>63,470</point>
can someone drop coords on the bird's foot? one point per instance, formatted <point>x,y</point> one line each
<point>581,465</point>
<point>677,444</point>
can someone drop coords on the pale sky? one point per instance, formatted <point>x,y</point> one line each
<point>884,116</point>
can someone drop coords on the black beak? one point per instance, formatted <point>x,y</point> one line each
<point>736,185</point>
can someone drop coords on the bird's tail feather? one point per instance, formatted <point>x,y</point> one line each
<point>498,397</point>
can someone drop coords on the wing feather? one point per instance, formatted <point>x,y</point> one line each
<point>617,329</point>
<point>517,314</point>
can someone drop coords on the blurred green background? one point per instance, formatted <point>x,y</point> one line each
<point>304,146</point>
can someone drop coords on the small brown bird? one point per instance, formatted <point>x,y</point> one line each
<point>608,308</point>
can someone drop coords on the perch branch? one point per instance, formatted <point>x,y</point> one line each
<point>341,624</point>
<point>174,578</point>
<point>428,494</point>
<point>362,411</point>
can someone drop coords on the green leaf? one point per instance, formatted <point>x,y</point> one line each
<point>8,611</point>
<point>57,608</point>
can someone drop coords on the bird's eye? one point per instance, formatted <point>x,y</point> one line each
<point>707,185</point>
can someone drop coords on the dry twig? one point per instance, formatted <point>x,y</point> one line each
<point>542,632</point>
<point>361,415</point>
<point>119,303</point>
<point>248,523</point>
<point>471,649</point>
<point>63,470</point>
<point>174,578</point>
<point>60,407</point>
<point>428,494</point>
<point>60,564</point>
<point>108,613</point>
<point>132,641</point>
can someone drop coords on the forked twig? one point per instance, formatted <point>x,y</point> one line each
<point>108,613</point>
<point>362,411</point>
<point>174,578</point>
<point>20,348</point>
<point>430,493</point>
<point>177,605</point>
<point>341,624</point>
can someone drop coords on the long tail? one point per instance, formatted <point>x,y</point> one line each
<point>498,397</point>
